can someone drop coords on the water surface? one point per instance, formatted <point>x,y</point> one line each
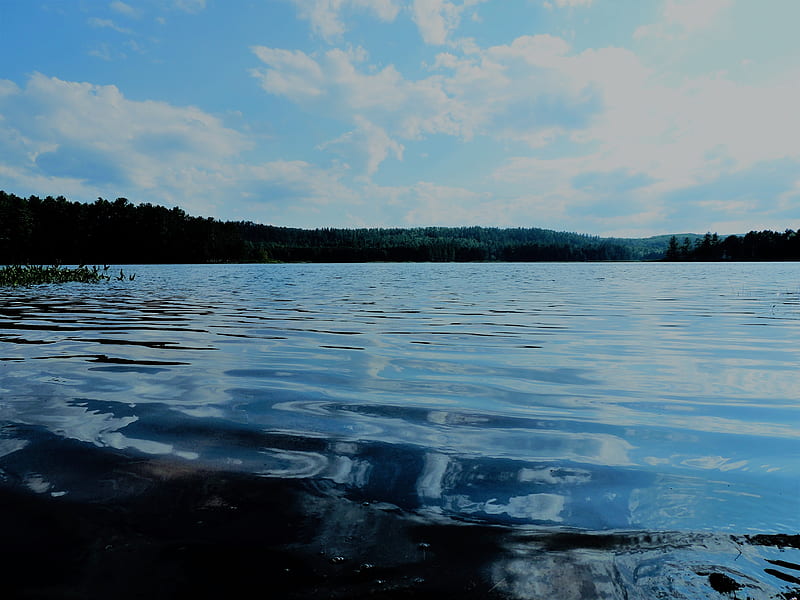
<point>630,427</point>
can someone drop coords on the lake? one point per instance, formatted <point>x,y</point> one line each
<point>536,430</point>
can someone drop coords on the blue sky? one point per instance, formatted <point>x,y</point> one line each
<point>608,117</point>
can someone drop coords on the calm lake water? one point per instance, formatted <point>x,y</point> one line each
<point>508,430</point>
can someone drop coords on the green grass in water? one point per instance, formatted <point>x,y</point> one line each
<point>13,275</point>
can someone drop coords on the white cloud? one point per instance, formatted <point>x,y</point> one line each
<point>694,15</point>
<point>85,141</point>
<point>103,52</point>
<point>371,141</point>
<point>107,23</point>
<point>612,117</point>
<point>542,50</point>
<point>563,3</point>
<point>654,31</point>
<point>673,135</point>
<point>335,84</point>
<point>521,91</point>
<point>566,3</point>
<point>124,9</point>
<point>514,92</point>
<point>190,6</point>
<point>290,73</point>
<point>679,18</point>
<point>385,10</point>
<point>325,16</point>
<point>8,88</point>
<point>605,113</point>
<point>427,203</point>
<point>298,179</point>
<point>437,19</point>
<point>89,135</point>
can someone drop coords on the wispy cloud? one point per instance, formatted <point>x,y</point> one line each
<point>640,137</point>
<point>369,141</point>
<point>90,140</point>
<point>124,9</point>
<point>676,116</point>
<point>325,16</point>
<point>683,17</point>
<point>568,3</point>
<point>437,19</point>
<point>107,24</point>
<point>190,6</point>
<point>103,52</point>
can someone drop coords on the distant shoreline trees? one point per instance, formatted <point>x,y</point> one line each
<point>57,231</point>
<point>755,246</point>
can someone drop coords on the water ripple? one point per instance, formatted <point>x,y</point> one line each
<point>583,396</point>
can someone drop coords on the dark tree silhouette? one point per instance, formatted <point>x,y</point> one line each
<point>57,231</point>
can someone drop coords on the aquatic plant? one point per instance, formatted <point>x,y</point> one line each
<point>15,275</point>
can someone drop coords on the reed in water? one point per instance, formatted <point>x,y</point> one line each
<point>16,275</point>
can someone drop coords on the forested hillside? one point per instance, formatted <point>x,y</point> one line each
<point>49,230</point>
<point>56,230</point>
<point>440,244</point>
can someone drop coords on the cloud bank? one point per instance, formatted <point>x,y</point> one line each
<point>634,136</point>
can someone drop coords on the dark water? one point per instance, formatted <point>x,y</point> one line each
<point>399,430</point>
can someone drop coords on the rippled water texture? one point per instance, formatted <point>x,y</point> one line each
<point>630,427</point>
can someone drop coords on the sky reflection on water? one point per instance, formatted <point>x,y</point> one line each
<point>596,396</point>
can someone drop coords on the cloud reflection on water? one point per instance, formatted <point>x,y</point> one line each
<point>569,394</point>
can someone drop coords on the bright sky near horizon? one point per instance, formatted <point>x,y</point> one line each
<point>608,117</point>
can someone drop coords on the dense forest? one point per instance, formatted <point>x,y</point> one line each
<point>55,230</point>
<point>58,231</point>
<point>756,245</point>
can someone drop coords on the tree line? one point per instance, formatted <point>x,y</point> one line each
<point>58,231</point>
<point>445,244</point>
<point>756,245</point>
<point>51,230</point>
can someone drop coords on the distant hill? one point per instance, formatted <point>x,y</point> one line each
<point>654,247</point>
<point>443,244</point>
<point>55,230</point>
